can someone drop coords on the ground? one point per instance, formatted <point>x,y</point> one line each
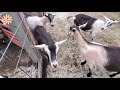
<point>69,56</point>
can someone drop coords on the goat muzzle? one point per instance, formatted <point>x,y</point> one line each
<point>52,25</point>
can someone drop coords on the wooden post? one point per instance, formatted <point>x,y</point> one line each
<point>38,53</point>
<point>33,53</point>
<point>30,35</point>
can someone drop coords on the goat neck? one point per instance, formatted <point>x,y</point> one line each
<point>82,42</point>
<point>44,19</point>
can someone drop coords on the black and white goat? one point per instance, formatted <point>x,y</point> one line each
<point>92,24</point>
<point>47,44</point>
<point>41,21</point>
<point>44,40</point>
<point>107,57</point>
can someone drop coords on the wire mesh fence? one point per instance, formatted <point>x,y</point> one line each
<point>25,43</point>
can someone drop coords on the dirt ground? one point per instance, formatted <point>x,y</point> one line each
<point>69,56</point>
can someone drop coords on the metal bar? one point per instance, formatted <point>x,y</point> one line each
<point>21,34</point>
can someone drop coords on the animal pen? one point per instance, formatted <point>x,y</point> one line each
<point>18,49</point>
<point>21,35</point>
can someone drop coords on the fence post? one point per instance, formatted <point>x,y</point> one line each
<point>33,53</point>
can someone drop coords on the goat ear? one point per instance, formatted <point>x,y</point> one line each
<point>60,42</point>
<point>46,14</point>
<point>40,46</point>
<point>116,21</point>
<point>106,18</point>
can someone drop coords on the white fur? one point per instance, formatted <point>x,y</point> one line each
<point>60,42</point>
<point>1,76</point>
<point>96,27</point>
<point>35,20</point>
<point>40,46</point>
<point>57,48</point>
<point>98,43</point>
<point>55,62</point>
<point>74,17</point>
<point>107,22</point>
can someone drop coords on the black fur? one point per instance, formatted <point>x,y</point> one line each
<point>114,74</point>
<point>89,25</point>
<point>42,36</point>
<point>44,67</point>
<point>74,27</point>
<point>89,74</point>
<point>113,55</point>
<point>83,63</point>
<point>52,49</point>
<point>50,17</point>
<point>82,19</point>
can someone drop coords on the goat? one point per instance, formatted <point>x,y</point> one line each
<point>41,21</point>
<point>107,57</point>
<point>44,40</point>
<point>91,24</point>
<point>47,44</point>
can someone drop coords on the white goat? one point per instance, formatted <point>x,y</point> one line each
<point>107,57</point>
<point>91,24</point>
<point>41,21</point>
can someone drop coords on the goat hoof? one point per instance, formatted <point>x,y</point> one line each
<point>89,74</point>
<point>52,25</point>
<point>92,39</point>
<point>112,75</point>
<point>75,64</point>
<point>83,63</point>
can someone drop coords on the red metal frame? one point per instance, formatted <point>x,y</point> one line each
<point>9,34</point>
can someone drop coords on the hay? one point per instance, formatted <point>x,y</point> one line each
<point>69,56</point>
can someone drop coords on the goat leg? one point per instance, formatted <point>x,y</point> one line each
<point>114,74</point>
<point>92,39</point>
<point>89,73</point>
<point>83,63</point>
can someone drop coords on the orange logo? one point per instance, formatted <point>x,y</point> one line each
<point>7,19</point>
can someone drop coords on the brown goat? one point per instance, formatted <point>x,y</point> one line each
<point>106,57</point>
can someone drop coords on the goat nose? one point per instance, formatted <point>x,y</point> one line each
<point>52,25</point>
<point>102,28</point>
<point>55,65</point>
